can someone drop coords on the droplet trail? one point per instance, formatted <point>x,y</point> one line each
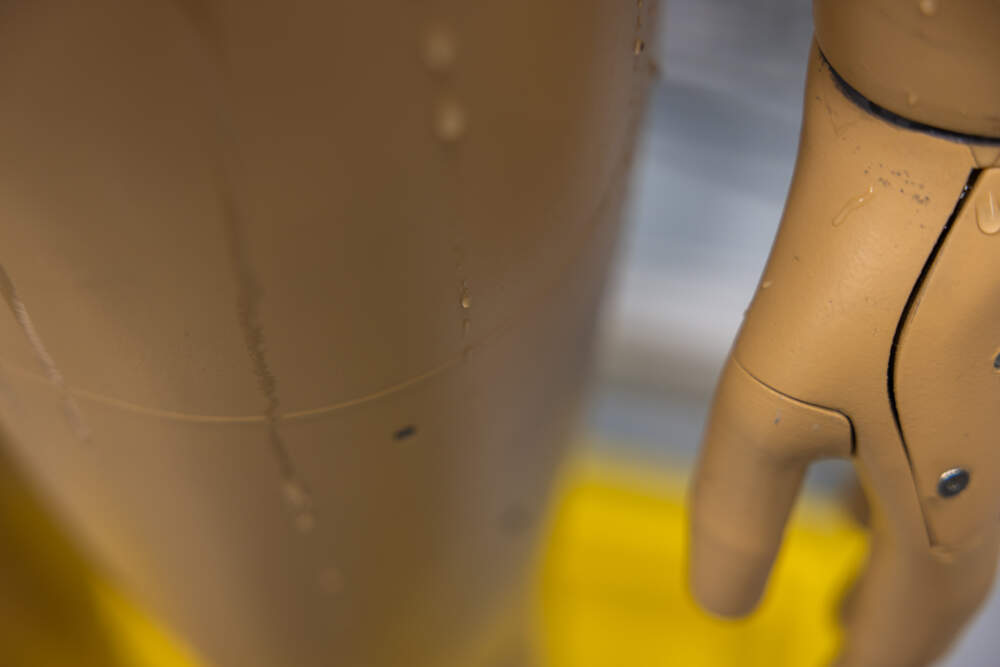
<point>988,214</point>
<point>450,121</point>
<point>439,49</point>
<point>853,205</point>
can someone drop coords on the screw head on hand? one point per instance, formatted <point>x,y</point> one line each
<point>953,482</point>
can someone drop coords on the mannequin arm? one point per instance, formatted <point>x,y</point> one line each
<point>850,330</point>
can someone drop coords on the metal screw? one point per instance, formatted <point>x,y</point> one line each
<point>953,482</point>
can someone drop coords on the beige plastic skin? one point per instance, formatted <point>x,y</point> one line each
<point>931,61</point>
<point>770,439</point>
<point>948,371</point>
<point>299,299</point>
<point>867,204</point>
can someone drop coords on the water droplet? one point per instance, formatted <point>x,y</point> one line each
<point>928,7</point>
<point>439,49</point>
<point>988,214</point>
<point>639,46</point>
<point>996,363</point>
<point>305,522</point>
<point>766,284</point>
<point>911,98</point>
<point>295,494</point>
<point>466,299</point>
<point>450,121</point>
<point>331,581</point>
<point>853,204</point>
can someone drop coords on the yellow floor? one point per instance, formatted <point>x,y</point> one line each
<point>54,609</point>
<point>611,591</point>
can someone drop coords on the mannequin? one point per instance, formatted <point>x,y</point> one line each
<point>872,336</point>
<point>300,295</point>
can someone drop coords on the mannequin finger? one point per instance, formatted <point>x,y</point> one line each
<point>757,447</point>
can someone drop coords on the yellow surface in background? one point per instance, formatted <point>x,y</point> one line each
<point>611,591</point>
<point>55,611</point>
